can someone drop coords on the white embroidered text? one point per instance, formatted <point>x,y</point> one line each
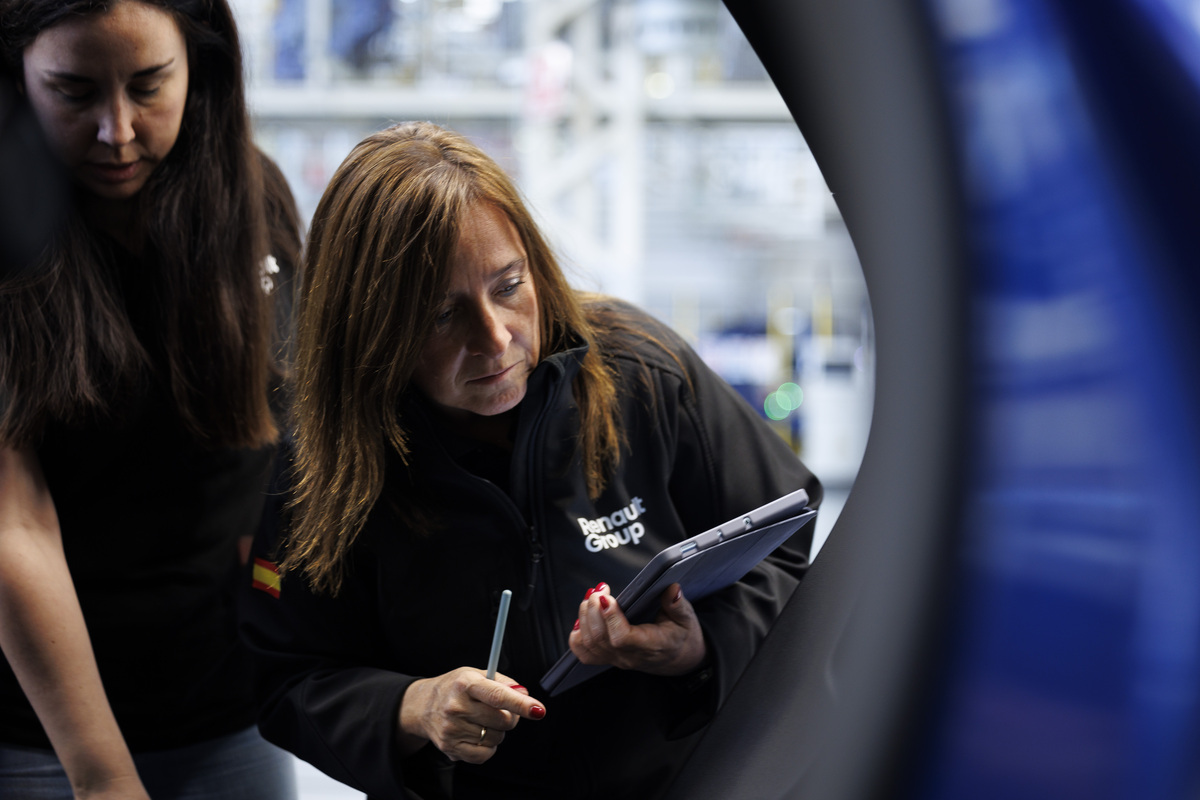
<point>616,529</point>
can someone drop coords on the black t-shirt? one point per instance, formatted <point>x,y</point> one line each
<point>150,523</point>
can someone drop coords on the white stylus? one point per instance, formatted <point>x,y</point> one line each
<point>498,636</point>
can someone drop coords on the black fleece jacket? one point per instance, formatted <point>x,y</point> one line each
<point>332,672</point>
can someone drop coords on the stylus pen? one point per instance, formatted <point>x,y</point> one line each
<point>498,636</point>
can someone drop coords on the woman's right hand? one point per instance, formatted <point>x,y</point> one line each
<point>463,713</point>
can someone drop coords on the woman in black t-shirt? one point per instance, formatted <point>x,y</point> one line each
<point>136,368</point>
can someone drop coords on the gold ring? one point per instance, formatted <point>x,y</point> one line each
<point>482,733</point>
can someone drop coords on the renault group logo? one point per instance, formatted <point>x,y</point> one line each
<point>616,529</point>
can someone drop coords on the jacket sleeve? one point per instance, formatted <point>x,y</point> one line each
<point>728,461</point>
<point>319,686</point>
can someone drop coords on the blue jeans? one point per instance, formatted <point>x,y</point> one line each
<point>241,766</point>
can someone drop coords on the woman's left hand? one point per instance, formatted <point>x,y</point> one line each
<point>671,645</point>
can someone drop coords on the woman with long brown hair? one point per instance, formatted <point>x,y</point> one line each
<point>466,423</point>
<point>137,366</point>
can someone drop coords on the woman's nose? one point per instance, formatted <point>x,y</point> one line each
<point>116,123</point>
<point>490,335</point>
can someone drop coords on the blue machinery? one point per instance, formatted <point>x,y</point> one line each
<point>1009,605</point>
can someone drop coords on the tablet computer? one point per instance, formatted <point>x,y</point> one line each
<point>703,564</point>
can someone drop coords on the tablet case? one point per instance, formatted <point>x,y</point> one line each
<point>703,564</point>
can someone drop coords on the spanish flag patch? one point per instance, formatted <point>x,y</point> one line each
<point>266,577</point>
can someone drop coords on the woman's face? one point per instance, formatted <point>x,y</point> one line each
<point>109,91</point>
<point>484,343</point>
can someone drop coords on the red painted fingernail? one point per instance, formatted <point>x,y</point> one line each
<point>590,592</point>
<point>537,712</point>
<point>576,626</point>
<point>603,602</point>
<point>601,586</point>
<point>679,595</point>
<point>517,686</point>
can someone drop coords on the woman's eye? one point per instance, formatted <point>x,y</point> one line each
<point>510,288</point>
<point>74,94</point>
<point>143,91</point>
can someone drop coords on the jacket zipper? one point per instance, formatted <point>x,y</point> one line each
<point>551,641</point>
<point>536,553</point>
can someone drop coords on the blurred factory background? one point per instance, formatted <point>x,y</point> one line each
<point>648,139</point>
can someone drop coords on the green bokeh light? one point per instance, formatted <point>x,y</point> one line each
<point>772,407</point>
<point>790,396</point>
<point>783,401</point>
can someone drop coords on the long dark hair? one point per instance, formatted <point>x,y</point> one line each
<point>376,261</point>
<point>68,351</point>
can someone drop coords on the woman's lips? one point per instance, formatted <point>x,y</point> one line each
<point>494,377</point>
<point>115,173</point>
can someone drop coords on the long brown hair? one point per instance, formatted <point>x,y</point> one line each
<point>68,351</point>
<point>376,261</point>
